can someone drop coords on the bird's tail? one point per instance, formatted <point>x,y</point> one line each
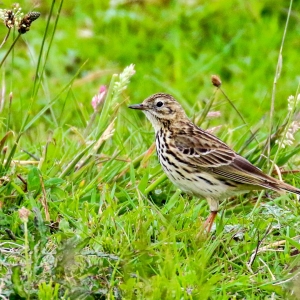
<point>289,188</point>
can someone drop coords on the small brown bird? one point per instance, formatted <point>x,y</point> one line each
<point>198,162</point>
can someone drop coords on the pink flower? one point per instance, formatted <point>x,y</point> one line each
<point>213,114</point>
<point>98,99</point>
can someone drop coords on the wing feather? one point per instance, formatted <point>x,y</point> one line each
<point>207,153</point>
<point>203,149</point>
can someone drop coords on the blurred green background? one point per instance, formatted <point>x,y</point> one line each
<point>175,45</point>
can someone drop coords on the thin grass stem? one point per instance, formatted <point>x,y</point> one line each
<point>276,77</point>
<point>9,50</point>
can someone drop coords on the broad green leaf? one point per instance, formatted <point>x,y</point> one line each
<point>33,180</point>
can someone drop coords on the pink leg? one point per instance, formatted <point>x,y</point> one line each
<point>209,221</point>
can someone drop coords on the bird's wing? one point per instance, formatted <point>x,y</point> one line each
<point>206,152</point>
<point>203,149</point>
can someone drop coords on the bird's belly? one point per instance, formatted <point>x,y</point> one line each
<point>205,187</point>
<point>200,184</point>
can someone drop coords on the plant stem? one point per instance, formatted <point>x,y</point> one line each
<point>9,50</point>
<point>276,77</point>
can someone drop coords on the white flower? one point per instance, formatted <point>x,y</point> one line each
<point>289,136</point>
<point>12,17</point>
<point>293,102</point>
<point>124,77</point>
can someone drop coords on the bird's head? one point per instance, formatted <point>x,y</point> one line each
<point>161,109</point>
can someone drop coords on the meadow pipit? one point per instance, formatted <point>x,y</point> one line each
<point>198,162</point>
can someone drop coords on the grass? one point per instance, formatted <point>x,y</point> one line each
<point>85,210</point>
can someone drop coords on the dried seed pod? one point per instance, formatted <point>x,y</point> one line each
<point>9,19</point>
<point>24,214</point>
<point>33,15</point>
<point>25,23</point>
<point>216,81</point>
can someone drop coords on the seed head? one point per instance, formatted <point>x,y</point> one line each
<point>216,81</point>
<point>24,214</point>
<point>25,23</point>
<point>11,17</point>
<point>293,102</point>
<point>98,99</point>
<point>213,114</point>
<point>289,138</point>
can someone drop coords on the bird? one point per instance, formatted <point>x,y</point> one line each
<point>199,163</point>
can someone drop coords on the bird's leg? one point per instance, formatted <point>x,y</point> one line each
<point>209,221</point>
<point>214,207</point>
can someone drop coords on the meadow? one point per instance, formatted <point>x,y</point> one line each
<point>85,209</point>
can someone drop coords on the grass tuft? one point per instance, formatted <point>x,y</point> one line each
<point>85,209</point>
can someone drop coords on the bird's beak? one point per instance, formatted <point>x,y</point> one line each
<point>138,106</point>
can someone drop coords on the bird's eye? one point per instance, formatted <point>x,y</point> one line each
<point>159,104</point>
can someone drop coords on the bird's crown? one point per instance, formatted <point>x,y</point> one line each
<point>163,106</point>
